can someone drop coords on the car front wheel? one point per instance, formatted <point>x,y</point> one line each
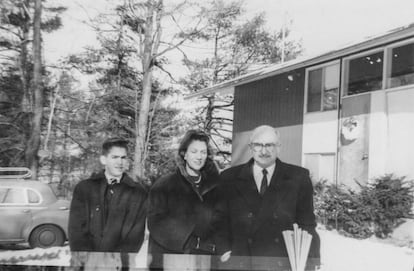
<point>46,236</point>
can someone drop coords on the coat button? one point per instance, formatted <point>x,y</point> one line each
<point>250,241</point>
<point>276,240</point>
<point>250,215</point>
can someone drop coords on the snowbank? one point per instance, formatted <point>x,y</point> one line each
<point>338,253</point>
<point>341,253</point>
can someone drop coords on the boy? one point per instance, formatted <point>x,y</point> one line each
<point>108,210</point>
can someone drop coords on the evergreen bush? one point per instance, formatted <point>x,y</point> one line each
<point>377,208</point>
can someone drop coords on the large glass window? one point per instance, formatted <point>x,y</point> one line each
<point>314,90</point>
<point>402,66</point>
<point>365,73</point>
<point>323,85</point>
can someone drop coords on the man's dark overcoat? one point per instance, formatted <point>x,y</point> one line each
<point>256,222</point>
<point>125,224</point>
<point>179,214</point>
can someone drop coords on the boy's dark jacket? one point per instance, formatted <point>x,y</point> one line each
<point>124,230</point>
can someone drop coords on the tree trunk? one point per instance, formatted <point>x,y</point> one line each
<point>151,43</point>
<point>24,67</point>
<point>26,104</point>
<point>208,123</point>
<point>142,125</point>
<point>33,144</point>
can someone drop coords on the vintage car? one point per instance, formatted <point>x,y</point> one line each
<point>31,212</point>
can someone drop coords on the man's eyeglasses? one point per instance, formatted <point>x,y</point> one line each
<point>259,146</point>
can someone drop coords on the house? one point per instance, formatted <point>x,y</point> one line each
<point>347,115</point>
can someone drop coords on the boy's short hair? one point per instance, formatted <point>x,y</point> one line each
<point>114,142</point>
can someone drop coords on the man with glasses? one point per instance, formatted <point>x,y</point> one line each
<point>266,196</point>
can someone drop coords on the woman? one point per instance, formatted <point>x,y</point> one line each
<point>185,210</point>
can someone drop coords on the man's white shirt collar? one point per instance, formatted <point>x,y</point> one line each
<point>258,174</point>
<point>110,178</point>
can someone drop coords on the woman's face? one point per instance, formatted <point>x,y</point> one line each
<point>195,156</point>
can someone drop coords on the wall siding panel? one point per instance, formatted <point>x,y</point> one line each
<point>276,101</point>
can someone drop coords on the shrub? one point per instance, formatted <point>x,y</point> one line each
<point>338,207</point>
<point>377,208</point>
<point>391,199</point>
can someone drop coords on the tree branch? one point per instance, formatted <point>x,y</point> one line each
<point>167,72</point>
<point>127,128</point>
<point>73,139</point>
<point>12,125</point>
<point>10,31</point>
<point>220,135</point>
<point>221,129</point>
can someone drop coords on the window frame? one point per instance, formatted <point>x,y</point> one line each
<point>319,66</point>
<point>388,68</point>
<point>37,193</point>
<point>25,192</point>
<point>345,70</point>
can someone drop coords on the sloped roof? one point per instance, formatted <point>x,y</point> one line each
<point>368,42</point>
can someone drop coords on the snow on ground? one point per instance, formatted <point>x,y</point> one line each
<point>338,253</point>
<point>54,256</point>
<point>341,253</point>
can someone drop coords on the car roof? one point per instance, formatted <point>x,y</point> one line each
<point>46,191</point>
<point>22,183</point>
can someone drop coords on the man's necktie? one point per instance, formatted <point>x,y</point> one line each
<point>263,185</point>
<point>112,183</point>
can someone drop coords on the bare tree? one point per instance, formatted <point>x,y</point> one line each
<point>140,49</point>
<point>146,17</point>
<point>34,140</point>
<point>238,46</point>
<point>150,43</point>
<point>21,24</point>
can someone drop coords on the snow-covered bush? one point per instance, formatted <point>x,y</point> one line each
<point>377,208</point>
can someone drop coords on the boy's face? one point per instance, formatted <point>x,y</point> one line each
<point>115,161</point>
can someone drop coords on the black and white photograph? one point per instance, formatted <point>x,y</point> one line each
<point>222,135</point>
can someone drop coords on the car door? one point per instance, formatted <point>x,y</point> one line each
<point>15,214</point>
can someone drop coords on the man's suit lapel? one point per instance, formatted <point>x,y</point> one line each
<point>113,211</point>
<point>102,188</point>
<point>247,187</point>
<point>277,190</point>
<point>122,198</point>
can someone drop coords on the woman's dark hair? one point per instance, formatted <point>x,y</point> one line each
<point>189,137</point>
<point>114,142</point>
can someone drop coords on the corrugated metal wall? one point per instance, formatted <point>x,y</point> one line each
<point>276,101</point>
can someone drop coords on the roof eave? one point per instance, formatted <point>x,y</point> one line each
<point>224,87</point>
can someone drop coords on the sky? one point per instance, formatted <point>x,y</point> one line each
<point>322,25</point>
<point>326,24</point>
